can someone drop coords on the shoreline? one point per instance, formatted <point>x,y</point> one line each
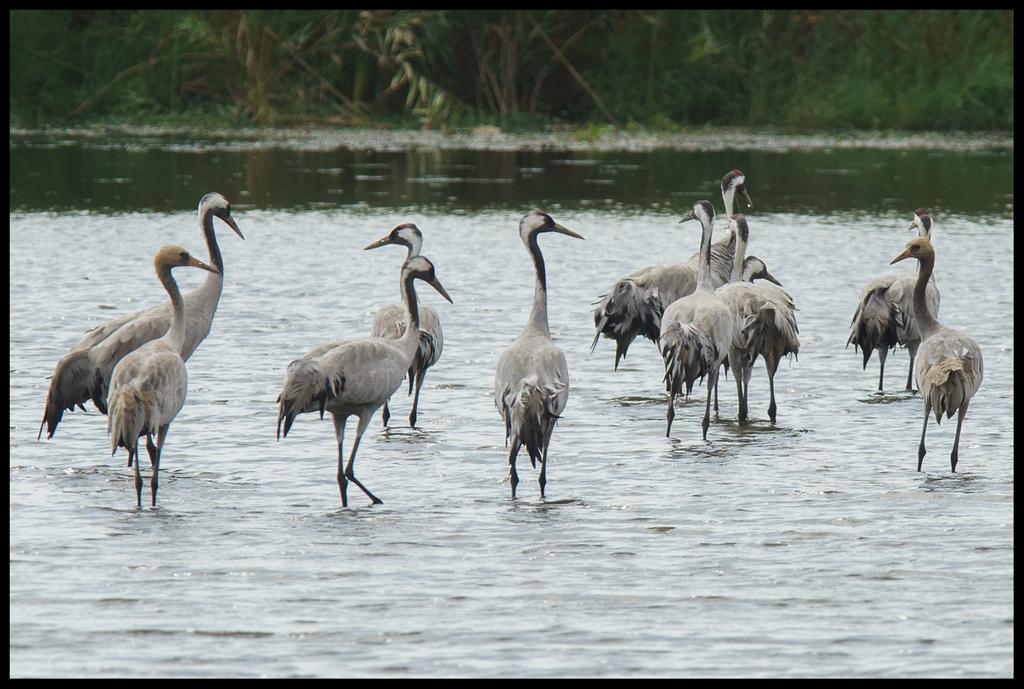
<point>490,138</point>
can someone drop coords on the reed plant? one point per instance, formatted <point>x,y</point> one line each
<point>840,69</point>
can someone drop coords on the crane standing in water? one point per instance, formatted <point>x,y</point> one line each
<point>531,384</point>
<point>85,372</point>
<point>949,367</point>
<point>356,377</point>
<point>148,385</point>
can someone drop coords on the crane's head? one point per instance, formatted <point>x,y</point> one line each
<point>406,234</point>
<point>535,222</point>
<point>735,181</point>
<point>174,256</point>
<point>923,223</point>
<point>919,247</point>
<point>702,211</point>
<point>755,269</point>
<point>738,223</point>
<point>420,268</point>
<point>219,206</point>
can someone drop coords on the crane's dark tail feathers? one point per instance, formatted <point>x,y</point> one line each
<point>425,353</point>
<point>874,325</point>
<point>773,330</point>
<point>626,312</point>
<point>530,413</point>
<point>72,384</point>
<point>689,355</point>
<point>307,388</point>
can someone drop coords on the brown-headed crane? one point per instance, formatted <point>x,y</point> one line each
<point>148,385</point>
<point>949,366</point>
<point>85,372</point>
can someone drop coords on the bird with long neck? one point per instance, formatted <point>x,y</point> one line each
<point>148,385</point>
<point>697,329</point>
<point>389,321</point>
<point>949,366</point>
<point>885,312</point>
<point>356,377</point>
<point>756,269</point>
<point>764,319</point>
<point>531,383</point>
<point>84,373</point>
<point>723,251</point>
<point>634,305</point>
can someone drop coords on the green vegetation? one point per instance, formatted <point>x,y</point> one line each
<point>521,70</point>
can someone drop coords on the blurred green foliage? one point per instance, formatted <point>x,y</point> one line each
<point>663,69</point>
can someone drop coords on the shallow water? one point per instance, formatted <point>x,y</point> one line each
<point>809,547</point>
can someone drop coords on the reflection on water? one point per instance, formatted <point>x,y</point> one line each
<point>107,177</point>
<point>809,547</point>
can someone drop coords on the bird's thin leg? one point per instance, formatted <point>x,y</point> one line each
<point>740,398</point>
<point>954,456</point>
<point>920,448</point>
<point>544,461</point>
<point>910,372</point>
<point>882,353</point>
<point>154,482</point>
<point>716,398</point>
<point>416,400</point>
<point>132,454</point>
<point>772,367</point>
<point>513,475</point>
<point>712,383</point>
<point>385,415</point>
<point>339,434</point>
<point>671,413</point>
<point>350,470</point>
<point>150,448</point>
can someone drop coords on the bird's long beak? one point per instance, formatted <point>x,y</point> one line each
<point>566,230</point>
<point>689,216</point>
<point>231,223</point>
<point>904,254</point>
<point>383,241</point>
<point>436,284</point>
<point>196,263</point>
<point>913,226</point>
<point>770,278</point>
<point>743,190</point>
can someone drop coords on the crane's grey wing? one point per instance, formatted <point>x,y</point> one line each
<point>389,321</point>
<point>949,369</point>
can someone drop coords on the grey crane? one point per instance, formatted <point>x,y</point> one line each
<point>148,385</point>
<point>764,319</point>
<point>355,377</point>
<point>696,330</point>
<point>885,312</point>
<point>84,372</point>
<point>949,366</point>
<point>634,304</point>
<point>755,269</point>
<point>531,384</point>
<point>389,321</point>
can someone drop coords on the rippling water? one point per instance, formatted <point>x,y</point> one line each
<point>808,547</point>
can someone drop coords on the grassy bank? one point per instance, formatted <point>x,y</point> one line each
<point>523,71</point>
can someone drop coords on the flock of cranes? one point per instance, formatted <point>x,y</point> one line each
<point>704,314</point>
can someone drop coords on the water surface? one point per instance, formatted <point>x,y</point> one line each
<point>809,547</point>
